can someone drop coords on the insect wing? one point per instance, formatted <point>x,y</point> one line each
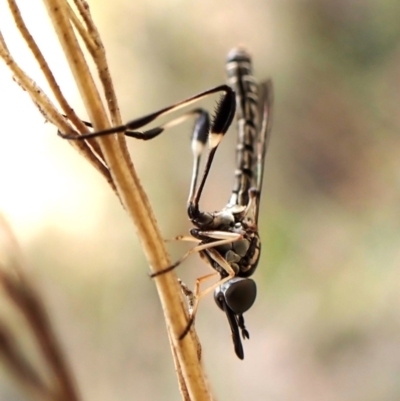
<point>265,93</point>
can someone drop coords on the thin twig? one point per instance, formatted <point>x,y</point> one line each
<point>96,48</point>
<point>46,107</point>
<point>123,178</point>
<point>29,303</point>
<point>20,367</point>
<point>99,58</point>
<point>137,205</point>
<point>38,55</point>
<point>19,290</point>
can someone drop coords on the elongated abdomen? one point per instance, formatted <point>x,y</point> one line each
<point>240,78</point>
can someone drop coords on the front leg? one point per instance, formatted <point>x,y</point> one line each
<point>223,238</point>
<point>197,295</point>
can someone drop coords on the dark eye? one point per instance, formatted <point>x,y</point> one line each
<point>239,294</point>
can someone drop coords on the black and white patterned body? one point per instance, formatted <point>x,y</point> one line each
<point>237,258</point>
<point>228,240</point>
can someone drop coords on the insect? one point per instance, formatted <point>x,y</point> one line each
<point>226,240</point>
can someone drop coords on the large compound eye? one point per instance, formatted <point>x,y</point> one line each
<point>239,294</point>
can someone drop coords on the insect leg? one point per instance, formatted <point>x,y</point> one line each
<point>141,122</point>
<point>199,295</point>
<point>186,238</point>
<point>222,120</point>
<point>229,238</point>
<point>193,301</point>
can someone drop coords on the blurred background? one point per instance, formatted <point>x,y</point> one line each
<point>326,324</point>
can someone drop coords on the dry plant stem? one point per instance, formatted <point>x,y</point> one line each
<point>28,302</point>
<point>136,204</point>
<point>46,107</point>
<point>98,53</point>
<point>84,34</point>
<point>20,367</point>
<point>44,66</point>
<point>67,109</point>
<point>18,289</point>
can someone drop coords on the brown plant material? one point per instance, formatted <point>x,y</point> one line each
<point>110,157</point>
<point>21,294</point>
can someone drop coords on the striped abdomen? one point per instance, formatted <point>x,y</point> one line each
<point>240,78</point>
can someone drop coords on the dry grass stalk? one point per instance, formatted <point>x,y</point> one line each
<point>110,157</point>
<point>18,289</point>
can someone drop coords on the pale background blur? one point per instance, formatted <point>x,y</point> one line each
<point>326,322</point>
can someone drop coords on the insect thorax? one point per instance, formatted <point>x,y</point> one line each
<point>242,254</point>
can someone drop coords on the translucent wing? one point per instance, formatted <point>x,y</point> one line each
<point>265,95</point>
